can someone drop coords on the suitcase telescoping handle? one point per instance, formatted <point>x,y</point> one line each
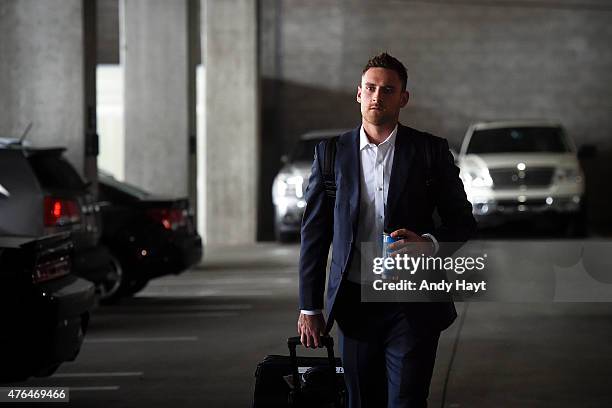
<point>328,343</point>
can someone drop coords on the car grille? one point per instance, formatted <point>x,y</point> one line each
<point>512,178</point>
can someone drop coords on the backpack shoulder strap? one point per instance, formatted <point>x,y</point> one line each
<point>429,161</point>
<point>329,176</point>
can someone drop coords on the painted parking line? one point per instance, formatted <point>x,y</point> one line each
<point>101,388</point>
<point>200,314</point>
<point>117,374</point>
<point>205,293</point>
<point>138,339</point>
<point>224,280</point>
<point>222,307</point>
<point>152,307</point>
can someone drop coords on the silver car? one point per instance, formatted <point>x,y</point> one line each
<point>290,184</point>
<point>520,168</point>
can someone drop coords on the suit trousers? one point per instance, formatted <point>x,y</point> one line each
<point>388,359</point>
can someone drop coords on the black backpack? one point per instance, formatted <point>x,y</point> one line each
<point>329,177</point>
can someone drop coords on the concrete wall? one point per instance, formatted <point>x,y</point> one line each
<point>108,31</point>
<point>229,41</point>
<point>41,73</point>
<point>154,55</point>
<point>466,60</point>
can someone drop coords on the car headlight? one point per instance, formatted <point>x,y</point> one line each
<point>289,186</point>
<point>568,175</point>
<point>479,178</point>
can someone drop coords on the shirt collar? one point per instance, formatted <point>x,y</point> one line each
<point>364,142</point>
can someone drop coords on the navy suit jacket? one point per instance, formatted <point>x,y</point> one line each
<point>414,193</point>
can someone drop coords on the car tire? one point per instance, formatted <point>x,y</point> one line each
<point>112,293</point>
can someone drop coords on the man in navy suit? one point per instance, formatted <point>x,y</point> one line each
<point>389,178</point>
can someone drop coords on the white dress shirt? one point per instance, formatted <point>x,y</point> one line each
<point>374,176</point>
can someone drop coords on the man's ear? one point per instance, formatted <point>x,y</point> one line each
<point>359,93</point>
<point>404,98</point>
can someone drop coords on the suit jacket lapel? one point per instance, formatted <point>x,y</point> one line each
<point>348,159</point>
<point>402,160</point>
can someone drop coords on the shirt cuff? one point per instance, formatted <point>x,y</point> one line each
<point>436,245</point>
<point>311,312</point>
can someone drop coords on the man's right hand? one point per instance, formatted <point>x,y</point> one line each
<point>310,328</point>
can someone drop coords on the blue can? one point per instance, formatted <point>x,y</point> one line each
<point>386,240</point>
<point>388,274</point>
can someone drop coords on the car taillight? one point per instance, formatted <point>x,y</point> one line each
<point>60,211</point>
<point>170,218</point>
<point>49,270</point>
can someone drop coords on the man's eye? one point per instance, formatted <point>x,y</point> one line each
<point>371,88</point>
<point>388,90</point>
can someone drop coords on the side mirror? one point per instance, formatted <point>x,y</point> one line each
<point>284,159</point>
<point>587,151</point>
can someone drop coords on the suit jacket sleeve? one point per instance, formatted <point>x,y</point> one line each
<point>316,237</point>
<point>457,221</point>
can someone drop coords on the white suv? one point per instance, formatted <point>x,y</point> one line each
<point>520,168</point>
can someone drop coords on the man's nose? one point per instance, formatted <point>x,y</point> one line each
<point>376,96</point>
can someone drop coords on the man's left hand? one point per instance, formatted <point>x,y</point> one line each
<point>410,243</point>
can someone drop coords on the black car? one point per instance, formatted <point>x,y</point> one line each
<point>149,235</point>
<point>43,194</point>
<point>44,308</point>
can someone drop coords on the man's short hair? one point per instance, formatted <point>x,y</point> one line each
<point>387,61</point>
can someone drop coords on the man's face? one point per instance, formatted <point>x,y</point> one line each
<point>381,96</point>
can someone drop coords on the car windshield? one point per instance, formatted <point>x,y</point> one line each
<point>518,140</point>
<point>304,150</point>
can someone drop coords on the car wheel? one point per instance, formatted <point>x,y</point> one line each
<point>110,288</point>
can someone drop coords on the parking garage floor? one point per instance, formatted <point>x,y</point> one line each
<point>194,340</point>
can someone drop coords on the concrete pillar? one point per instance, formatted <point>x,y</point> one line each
<point>154,53</point>
<point>232,127</point>
<point>41,73</point>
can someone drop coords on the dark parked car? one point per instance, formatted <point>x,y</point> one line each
<point>149,235</point>
<point>44,308</point>
<point>45,195</point>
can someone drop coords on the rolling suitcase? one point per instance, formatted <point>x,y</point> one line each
<point>295,382</point>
